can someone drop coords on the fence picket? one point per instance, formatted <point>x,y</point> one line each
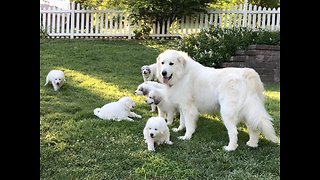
<point>268,18</point>
<point>278,20</point>
<point>254,17</point>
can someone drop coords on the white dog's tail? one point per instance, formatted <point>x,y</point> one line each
<point>266,127</point>
<point>258,118</point>
<point>96,111</point>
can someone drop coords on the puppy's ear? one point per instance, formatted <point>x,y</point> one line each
<point>145,91</point>
<point>156,99</point>
<point>128,104</point>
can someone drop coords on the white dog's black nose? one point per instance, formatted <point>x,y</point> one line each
<point>58,83</point>
<point>151,135</point>
<point>164,73</point>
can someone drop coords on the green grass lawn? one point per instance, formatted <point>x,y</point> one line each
<point>74,144</point>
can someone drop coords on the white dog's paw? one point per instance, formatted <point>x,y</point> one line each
<point>151,149</point>
<point>176,129</point>
<point>230,148</point>
<point>128,119</point>
<point>169,142</point>
<point>252,144</point>
<point>184,137</point>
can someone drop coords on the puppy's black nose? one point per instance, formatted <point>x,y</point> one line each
<point>151,135</point>
<point>164,73</point>
<point>58,83</point>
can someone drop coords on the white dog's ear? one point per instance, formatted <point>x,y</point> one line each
<point>182,60</point>
<point>128,104</point>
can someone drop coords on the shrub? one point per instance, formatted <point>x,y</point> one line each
<point>143,33</point>
<point>43,34</point>
<point>213,46</point>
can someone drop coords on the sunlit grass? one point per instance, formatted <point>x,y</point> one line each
<point>99,87</point>
<point>275,95</point>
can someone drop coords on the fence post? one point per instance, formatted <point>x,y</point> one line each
<point>244,22</point>
<point>72,20</point>
<point>129,26</point>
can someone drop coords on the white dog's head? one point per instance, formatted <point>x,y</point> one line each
<point>146,70</point>
<point>58,77</point>
<point>170,65</point>
<point>142,89</point>
<point>127,102</point>
<point>153,97</point>
<point>155,127</point>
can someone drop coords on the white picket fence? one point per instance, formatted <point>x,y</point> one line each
<point>78,22</point>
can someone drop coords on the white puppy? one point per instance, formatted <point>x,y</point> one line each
<point>119,110</point>
<point>149,72</point>
<point>145,87</point>
<point>237,93</point>
<point>57,79</point>
<point>156,131</point>
<point>165,108</point>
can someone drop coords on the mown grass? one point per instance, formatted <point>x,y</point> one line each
<point>74,144</point>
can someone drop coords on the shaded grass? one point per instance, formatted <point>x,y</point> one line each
<point>74,144</point>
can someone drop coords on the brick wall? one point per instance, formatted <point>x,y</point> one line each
<point>265,59</point>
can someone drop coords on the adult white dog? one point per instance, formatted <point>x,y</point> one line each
<point>57,79</point>
<point>119,110</point>
<point>156,131</point>
<point>236,92</point>
<point>144,89</point>
<point>164,105</point>
<point>149,72</point>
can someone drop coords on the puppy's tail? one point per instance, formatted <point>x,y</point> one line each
<point>46,82</point>
<point>96,111</point>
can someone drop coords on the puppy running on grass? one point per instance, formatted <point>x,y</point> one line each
<point>156,131</point>
<point>57,79</point>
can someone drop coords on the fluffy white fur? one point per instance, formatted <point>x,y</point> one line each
<point>149,72</point>
<point>145,87</point>
<point>165,108</point>
<point>237,93</point>
<point>156,131</point>
<point>57,79</point>
<point>119,110</point>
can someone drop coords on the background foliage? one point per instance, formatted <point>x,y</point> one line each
<point>213,46</point>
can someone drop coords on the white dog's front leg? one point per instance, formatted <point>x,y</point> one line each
<point>181,125</point>
<point>55,87</point>
<point>170,117</point>
<point>150,145</point>
<point>153,107</point>
<point>167,141</point>
<point>127,118</point>
<point>190,115</point>
<point>132,114</point>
